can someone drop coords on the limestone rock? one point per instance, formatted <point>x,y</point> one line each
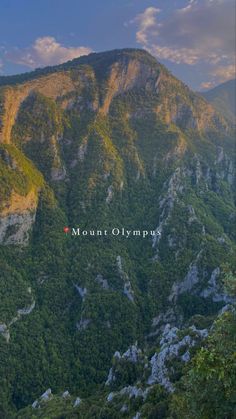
<point>169,349</point>
<point>77,402</point>
<point>17,218</point>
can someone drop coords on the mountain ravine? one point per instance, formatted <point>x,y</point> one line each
<point>108,326</point>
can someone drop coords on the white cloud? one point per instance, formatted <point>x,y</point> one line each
<point>224,73</point>
<point>202,31</point>
<point>147,21</point>
<point>219,75</point>
<point>206,85</point>
<point>45,51</point>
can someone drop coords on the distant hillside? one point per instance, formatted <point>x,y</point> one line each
<point>223,98</point>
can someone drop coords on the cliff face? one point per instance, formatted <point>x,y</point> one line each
<point>12,98</point>
<point>20,187</point>
<point>17,217</point>
<point>125,73</point>
<point>107,141</point>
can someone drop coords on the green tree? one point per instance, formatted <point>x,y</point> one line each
<point>208,390</point>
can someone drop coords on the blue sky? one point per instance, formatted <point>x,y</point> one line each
<point>193,38</point>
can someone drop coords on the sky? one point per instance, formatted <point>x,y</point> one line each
<point>195,39</point>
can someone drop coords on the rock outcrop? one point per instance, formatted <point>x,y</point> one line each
<point>170,345</point>
<point>5,328</point>
<point>17,218</point>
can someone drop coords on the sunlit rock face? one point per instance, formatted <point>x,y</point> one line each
<point>17,218</point>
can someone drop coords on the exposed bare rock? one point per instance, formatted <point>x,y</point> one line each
<point>58,170</point>
<point>130,391</point>
<point>25,310</point>
<point>17,218</point>
<point>44,398</point>
<point>214,290</point>
<point>168,317</point>
<point>83,324</point>
<point>185,111</point>
<point>175,154</point>
<point>117,355</point>
<point>190,280</point>
<point>77,402</point>
<point>111,377</point>
<point>52,86</point>
<point>17,203</point>
<point>126,75</point>
<point>124,408</point>
<point>4,331</point>
<point>14,229</point>
<point>225,166</point>
<point>102,281</point>
<point>110,397</point>
<point>166,204</point>
<point>226,308</point>
<point>47,395</point>
<point>82,291</point>
<point>5,328</point>
<point>133,391</point>
<point>220,155</point>
<point>170,344</point>
<point>82,150</point>
<point>128,291</point>
<point>109,194</point>
<point>192,214</point>
<point>132,354</point>
<point>58,173</point>
<point>187,284</point>
<point>65,394</point>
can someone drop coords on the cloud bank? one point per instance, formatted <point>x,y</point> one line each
<point>44,51</point>
<point>201,32</point>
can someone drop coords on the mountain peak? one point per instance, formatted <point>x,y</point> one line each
<point>94,59</point>
<point>98,79</point>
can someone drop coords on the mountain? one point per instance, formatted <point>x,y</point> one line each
<point>117,219</point>
<point>222,97</point>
